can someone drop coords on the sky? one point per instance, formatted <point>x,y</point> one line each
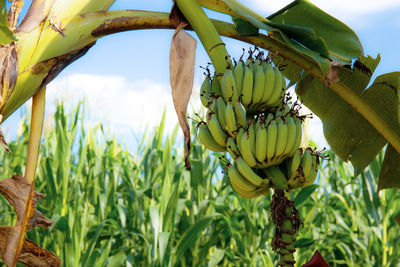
<point>125,76</point>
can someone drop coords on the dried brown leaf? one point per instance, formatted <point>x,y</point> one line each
<point>181,66</point>
<point>33,255</point>
<point>9,236</point>
<point>16,190</point>
<point>8,72</point>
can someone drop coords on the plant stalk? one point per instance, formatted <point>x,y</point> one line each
<point>206,32</point>
<point>38,104</point>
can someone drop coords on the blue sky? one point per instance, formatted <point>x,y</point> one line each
<point>125,76</point>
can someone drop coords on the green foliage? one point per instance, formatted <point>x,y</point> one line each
<point>114,208</point>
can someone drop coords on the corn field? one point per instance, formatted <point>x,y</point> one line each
<point>116,208</point>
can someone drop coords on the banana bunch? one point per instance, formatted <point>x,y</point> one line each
<point>257,84</point>
<point>248,115</point>
<point>302,168</point>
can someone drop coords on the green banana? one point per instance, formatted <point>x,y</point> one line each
<point>221,107</point>
<point>207,139</point>
<point>268,84</point>
<point>216,129</point>
<point>276,176</point>
<point>306,162</point>
<point>261,143</point>
<point>291,134</point>
<point>212,105</point>
<point>293,165</point>
<point>247,172</point>
<point>240,112</point>
<point>246,150</point>
<point>230,118</point>
<point>299,135</point>
<point>281,138</point>
<point>252,137</point>
<point>277,91</point>
<point>241,132</point>
<point>216,86</point>
<point>238,73</point>
<point>258,88</point>
<point>228,86</point>
<point>205,91</point>
<point>247,90</point>
<point>238,180</point>
<point>309,180</point>
<point>272,133</point>
<point>232,148</point>
<point>250,194</point>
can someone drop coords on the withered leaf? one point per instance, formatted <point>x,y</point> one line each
<point>16,190</point>
<point>8,72</point>
<point>9,236</point>
<point>181,66</point>
<point>33,255</point>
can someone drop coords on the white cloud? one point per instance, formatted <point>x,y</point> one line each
<point>124,106</point>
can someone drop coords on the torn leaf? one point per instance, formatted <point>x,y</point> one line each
<point>16,190</point>
<point>181,66</point>
<point>33,255</point>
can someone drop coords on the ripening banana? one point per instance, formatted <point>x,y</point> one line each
<point>272,133</point>
<point>291,135</point>
<point>216,86</point>
<point>277,177</point>
<point>281,138</point>
<point>230,118</point>
<point>240,112</point>
<point>254,66</point>
<point>258,87</point>
<point>261,143</point>
<point>232,148</point>
<point>238,73</point>
<point>247,172</point>
<point>247,90</point>
<point>228,86</point>
<point>205,91</point>
<point>238,180</point>
<point>277,91</point>
<point>299,135</point>
<point>207,139</point>
<point>216,129</point>
<point>221,107</point>
<point>246,150</point>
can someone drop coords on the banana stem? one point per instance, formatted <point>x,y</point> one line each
<point>206,32</point>
<point>287,220</point>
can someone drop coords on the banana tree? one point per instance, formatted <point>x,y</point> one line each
<point>313,50</point>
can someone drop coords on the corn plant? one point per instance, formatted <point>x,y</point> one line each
<point>319,54</point>
<point>125,209</point>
